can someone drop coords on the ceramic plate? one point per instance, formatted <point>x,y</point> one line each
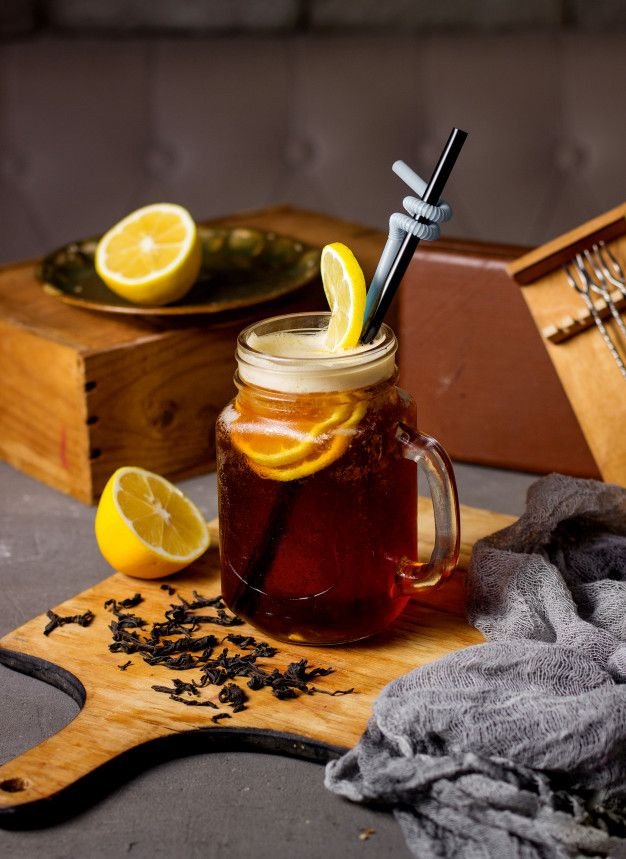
<point>241,267</point>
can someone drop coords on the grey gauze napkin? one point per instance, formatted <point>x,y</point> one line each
<point>517,747</point>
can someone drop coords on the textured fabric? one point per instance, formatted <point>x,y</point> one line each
<point>517,747</point>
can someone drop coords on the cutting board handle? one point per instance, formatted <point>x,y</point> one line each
<point>93,738</point>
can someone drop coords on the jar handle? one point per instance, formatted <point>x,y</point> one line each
<point>426,451</point>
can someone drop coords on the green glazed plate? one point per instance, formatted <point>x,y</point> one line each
<point>241,267</point>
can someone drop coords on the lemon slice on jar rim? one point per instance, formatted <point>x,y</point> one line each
<point>344,286</point>
<point>146,527</point>
<point>152,256</point>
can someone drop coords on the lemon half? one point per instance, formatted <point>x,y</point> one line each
<point>151,257</point>
<point>146,527</point>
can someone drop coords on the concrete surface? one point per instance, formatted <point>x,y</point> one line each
<point>219,805</point>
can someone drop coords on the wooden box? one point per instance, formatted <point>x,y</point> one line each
<point>82,395</point>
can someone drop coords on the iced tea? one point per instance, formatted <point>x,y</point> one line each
<point>317,510</point>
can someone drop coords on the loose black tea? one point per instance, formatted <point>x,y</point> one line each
<point>125,665</point>
<point>261,648</point>
<point>56,620</point>
<point>193,702</point>
<point>179,686</point>
<point>173,644</point>
<point>130,602</point>
<point>233,695</point>
<point>222,618</point>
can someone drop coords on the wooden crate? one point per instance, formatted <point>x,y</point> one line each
<point>82,395</point>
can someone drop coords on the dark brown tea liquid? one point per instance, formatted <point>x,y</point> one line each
<point>312,537</point>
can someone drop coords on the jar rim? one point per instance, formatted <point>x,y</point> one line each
<point>360,367</point>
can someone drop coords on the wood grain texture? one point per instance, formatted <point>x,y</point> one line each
<point>121,712</point>
<point>43,428</point>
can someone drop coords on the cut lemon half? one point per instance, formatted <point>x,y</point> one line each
<point>344,285</point>
<point>151,257</point>
<point>146,527</point>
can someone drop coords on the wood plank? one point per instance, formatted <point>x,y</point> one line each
<point>534,265</point>
<point>120,711</point>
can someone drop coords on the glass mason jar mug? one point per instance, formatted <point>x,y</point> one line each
<point>317,487</point>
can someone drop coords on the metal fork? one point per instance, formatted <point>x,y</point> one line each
<point>583,288</point>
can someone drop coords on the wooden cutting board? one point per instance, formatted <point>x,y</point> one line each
<point>120,711</point>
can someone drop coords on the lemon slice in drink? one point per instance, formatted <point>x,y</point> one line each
<point>344,285</point>
<point>146,527</point>
<point>275,450</point>
<point>330,445</point>
<point>151,257</point>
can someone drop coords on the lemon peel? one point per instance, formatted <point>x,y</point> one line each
<point>288,454</point>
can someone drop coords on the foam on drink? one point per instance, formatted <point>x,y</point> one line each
<point>298,361</point>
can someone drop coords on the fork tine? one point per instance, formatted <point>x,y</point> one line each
<point>612,257</point>
<point>616,277</point>
<point>570,279</point>
<point>583,274</point>
<point>598,274</point>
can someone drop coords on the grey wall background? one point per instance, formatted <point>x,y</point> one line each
<point>234,105</point>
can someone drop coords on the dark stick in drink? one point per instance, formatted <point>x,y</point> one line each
<point>245,598</point>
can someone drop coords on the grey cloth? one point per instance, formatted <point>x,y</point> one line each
<point>517,747</point>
